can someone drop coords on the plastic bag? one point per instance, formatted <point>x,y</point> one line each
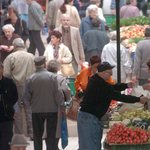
<point>64,133</point>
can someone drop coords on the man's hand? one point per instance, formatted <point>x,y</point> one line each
<point>113,11</point>
<point>4,47</point>
<point>131,84</point>
<point>2,12</point>
<point>15,116</point>
<point>146,86</point>
<point>10,48</point>
<point>82,60</point>
<point>143,99</point>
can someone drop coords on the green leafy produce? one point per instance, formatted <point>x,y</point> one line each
<point>140,20</point>
<point>135,39</point>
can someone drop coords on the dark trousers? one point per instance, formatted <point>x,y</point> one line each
<point>38,129</point>
<point>6,133</point>
<point>35,42</point>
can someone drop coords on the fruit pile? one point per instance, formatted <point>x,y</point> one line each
<point>132,114</point>
<point>132,31</point>
<point>120,134</point>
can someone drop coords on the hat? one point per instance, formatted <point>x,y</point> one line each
<point>18,140</point>
<point>40,60</point>
<point>104,66</point>
<point>95,59</point>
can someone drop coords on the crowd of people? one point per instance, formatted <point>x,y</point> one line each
<point>37,85</point>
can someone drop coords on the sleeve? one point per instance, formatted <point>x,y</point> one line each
<point>67,56</point>
<point>7,67</point>
<point>80,46</point>
<point>116,95</point>
<point>85,41</point>
<point>5,7</point>
<point>58,93</point>
<point>36,14</point>
<point>50,15</point>
<point>15,92</point>
<point>77,16</point>
<point>77,82</point>
<point>120,86</point>
<point>104,54</point>
<point>58,19</point>
<point>16,107</point>
<point>66,89</point>
<point>102,27</point>
<point>126,61</point>
<point>27,94</point>
<point>113,4</point>
<point>25,33</point>
<point>137,60</point>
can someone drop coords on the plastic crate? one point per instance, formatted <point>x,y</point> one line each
<point>70,82</point>
<point>109,19</point>
<point>131,147</point>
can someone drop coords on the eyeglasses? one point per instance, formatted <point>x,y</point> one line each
<point>109,72</point>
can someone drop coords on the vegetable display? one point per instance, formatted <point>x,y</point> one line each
<point>120,134</point>
<point>140,20</point>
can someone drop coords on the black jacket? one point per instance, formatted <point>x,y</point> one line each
<point>99,93</point>
<point>20,28</point>
<point>8,97</point>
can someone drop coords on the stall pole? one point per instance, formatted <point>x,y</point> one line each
<point>118,40</point>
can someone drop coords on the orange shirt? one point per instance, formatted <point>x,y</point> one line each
<point>82,79</point>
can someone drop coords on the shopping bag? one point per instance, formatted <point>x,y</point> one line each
<point>64,132</point>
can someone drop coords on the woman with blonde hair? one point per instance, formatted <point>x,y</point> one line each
<point>68,8</point>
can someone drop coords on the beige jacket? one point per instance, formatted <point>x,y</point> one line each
<point>19,65</point>
<point>67,58</point>
<point>74,17</point>
<point>76,43</point>
<point>53,7</point>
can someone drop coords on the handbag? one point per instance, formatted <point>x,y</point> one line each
<point>66,69</point>
<point>74,108</point>
<point>64,132</point>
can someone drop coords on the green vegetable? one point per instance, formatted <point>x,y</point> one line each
<point>135,39</point>
<point>140,20</point>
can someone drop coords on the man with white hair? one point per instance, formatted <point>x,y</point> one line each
<point>86,22</point>
<point>6,40</point>
<point>19,65</point>
<point>71,38</point>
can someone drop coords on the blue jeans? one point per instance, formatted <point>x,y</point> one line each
<point>89,131</point>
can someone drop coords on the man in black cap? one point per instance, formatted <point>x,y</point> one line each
<point>44,94</point>
<point>97,98</point>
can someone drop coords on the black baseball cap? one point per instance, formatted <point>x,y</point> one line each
<point>104,66</point>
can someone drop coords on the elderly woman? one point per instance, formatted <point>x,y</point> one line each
<point>82,78</point>
<point>57,50</point>
<point>109,54</point>
<point>100,11</point>
<point>68,8</point>
<point>86,22</point>
<point>54,66</point>
<point>19,24</point>
<point>6,46</point>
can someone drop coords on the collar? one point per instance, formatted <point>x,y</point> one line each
<point>66,29</point>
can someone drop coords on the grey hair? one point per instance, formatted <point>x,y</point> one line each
<point>65,16</point>
<point>113,35</point>
<point>94,1</point>
<point>92,8</point>
<point>129,2</point>
<point>53,66</point>
<point>8,26</point>
<point>96,22</point>
<point>18,42</point>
